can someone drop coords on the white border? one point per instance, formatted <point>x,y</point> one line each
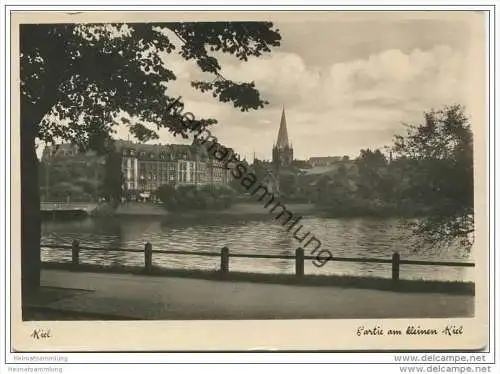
<point>214,357</point>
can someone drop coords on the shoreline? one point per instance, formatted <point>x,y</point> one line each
<point>240,209</point>
<point>250,210</point>
<point>341,281</point>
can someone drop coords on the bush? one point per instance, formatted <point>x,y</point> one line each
<point>190,197</point>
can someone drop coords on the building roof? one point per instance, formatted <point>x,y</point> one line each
<point>319,170</point>
<point>282,141</point>
<point>325,158</point>
<point>120,144</point>
<point>170,151</point>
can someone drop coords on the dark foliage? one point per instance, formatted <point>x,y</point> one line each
<point>191,197</point>
<point>79,80</point>
<point>439,158</point>
<point>429,178</point>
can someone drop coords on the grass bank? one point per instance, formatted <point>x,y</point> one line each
<point>343,281</point>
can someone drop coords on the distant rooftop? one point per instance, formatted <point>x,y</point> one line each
<point>318,170</point>
<point>324,158</point>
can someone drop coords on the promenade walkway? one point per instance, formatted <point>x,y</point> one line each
<point>149,297</point>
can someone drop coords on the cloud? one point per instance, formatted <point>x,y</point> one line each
<point>427,77</point>
<point>278,77</point>
<point>371,96</point>
<point>430,77</point>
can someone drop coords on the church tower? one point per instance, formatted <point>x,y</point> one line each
<point>282,150</point>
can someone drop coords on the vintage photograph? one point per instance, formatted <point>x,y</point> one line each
<point>258,167</point>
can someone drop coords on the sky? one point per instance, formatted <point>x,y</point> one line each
<point>347,82</point>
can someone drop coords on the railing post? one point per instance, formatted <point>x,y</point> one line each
<point>224,260</point>
<point>148,257</point>
<point>395,266</point>
<point>75,252</point>
<point>299,262</point>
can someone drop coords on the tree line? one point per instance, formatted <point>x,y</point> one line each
<point>430,176</point>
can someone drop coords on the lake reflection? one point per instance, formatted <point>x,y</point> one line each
<point>343,237</point>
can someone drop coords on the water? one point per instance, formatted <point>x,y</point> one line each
<point>359,237</point>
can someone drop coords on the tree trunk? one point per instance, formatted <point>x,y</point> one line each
<point>30,211</point>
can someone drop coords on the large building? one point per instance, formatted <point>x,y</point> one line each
<point>59,151</point>
<point>142,168</point>
<point>146,167</point>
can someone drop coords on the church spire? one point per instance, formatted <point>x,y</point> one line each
<point>283,133</point>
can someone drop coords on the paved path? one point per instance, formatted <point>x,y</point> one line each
<point>146,297</point>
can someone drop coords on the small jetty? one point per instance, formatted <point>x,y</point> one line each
<point>59,210</point>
